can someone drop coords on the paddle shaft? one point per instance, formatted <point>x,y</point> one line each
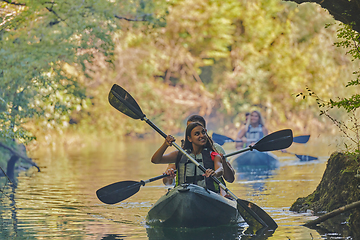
<point>224,139</point>
<point>202,168</point>
<point>156,178</point>
<point>295,139</point>
<point>148,121</point>
<point>302,157</point>
<point>187,155</point>
<point>119,191</point>
<point>237,152</point>
<point>140,115</point>
<point>143,182</point>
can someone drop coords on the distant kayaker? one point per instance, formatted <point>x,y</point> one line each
<point>197,144</point>
<point>252,132</point>
<point>229,172</point>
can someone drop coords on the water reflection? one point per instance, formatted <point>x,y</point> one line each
<point>221,232</point>
<point>113,237</point>
<point>60,201</point>
<point>255,178</point>
<point>8,192</point>
<point>225,232</point>
<point>255,160</point>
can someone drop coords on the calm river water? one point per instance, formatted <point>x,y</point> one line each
<point>60,202</point>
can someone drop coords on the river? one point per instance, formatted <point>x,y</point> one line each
<point>60,201</point>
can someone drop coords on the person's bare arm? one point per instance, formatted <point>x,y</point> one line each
<point>265,131</point>
<point>160,157</point>
<point>229,172</point>
<point>218,172</point>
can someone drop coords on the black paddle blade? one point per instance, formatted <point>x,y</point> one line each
<point>221,139</point>
<point>262,214</point>
<point>301,139</point>
<point>249,218</point>
<point>275,141</point>
<point>305,158</point>
<point>120,99</point>
<point>118,191</point>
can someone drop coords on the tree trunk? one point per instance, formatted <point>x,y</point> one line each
<point>333,213</point>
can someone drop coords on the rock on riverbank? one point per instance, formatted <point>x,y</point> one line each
<point>340,185</point>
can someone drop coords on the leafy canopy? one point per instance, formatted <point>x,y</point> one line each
<point>45,48</point>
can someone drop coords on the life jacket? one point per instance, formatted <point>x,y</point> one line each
<point>188,172</point>
<point>254,134</point>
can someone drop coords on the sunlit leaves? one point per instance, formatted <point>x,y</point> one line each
<point>231,54</point>
<point>242,53</point>
<point>350,40</point>
<point>37,38</point>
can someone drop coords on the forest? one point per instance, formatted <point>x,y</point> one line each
<point>297,62</point>
<point>215,58</point>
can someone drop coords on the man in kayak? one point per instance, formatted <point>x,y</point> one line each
<point>252,132</point>
<point>229,172</point>
<point>196,144</point>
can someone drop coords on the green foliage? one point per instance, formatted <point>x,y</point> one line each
<point>349,127</point>
<point>176,57</point>
<point>350,41</point>
<point>216,57</point>
<point>46,49</point>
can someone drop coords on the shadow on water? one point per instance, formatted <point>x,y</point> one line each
<point>113,237</point>
<point>255,160</point>
<point>221,232</point>
<point>255,167</point>
<point>331,229</point>
<point>256,177</point>
<point>9,227</point>
<point>194,233</point>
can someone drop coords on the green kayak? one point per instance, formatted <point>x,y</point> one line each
<point>189,205</point>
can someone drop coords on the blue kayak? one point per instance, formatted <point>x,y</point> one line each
<point>255,160</point>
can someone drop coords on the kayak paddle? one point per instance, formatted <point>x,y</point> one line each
<point>274,141</point>
<point>262,144</point>
<point>303,158</point>
<point>221,139</point>
<point>256,217</point>
<point>301,139</point>
<point>119,191</point>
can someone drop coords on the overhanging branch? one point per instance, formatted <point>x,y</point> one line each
<point>344,11</point>
<point>132,20</point>
<point>29,160</point>
<point>13,3</point>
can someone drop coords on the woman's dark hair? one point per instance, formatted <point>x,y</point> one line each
<point>189,128</point>
<point>197,118</point>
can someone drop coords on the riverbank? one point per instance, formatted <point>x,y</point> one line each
<point>339,186</point>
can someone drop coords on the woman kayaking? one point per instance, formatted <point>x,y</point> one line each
<point>229,172</point>
<point>201,149</point>
<point>252,132</point>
